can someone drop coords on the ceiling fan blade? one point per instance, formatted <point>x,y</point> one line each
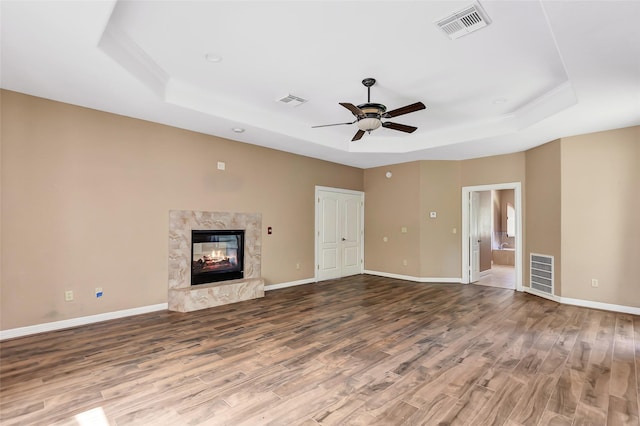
<point>358,136</point>
<point>354,109</point>
<point>336,124</point>
<point>401,127</point>
<point>405,110</point>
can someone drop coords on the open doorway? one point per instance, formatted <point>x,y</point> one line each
<point>496,220</point>
<point>492,235</point>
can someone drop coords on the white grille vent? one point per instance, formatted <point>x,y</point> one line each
<point>542,273</point>
<point>291,100</point>
<point>463,22</point>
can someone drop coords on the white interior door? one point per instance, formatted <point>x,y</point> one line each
<point>328,237</point>
<point>474,237</point>
<point>339,237</point>
<point>351,213</point>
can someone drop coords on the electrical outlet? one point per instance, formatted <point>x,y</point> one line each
<point>297,265</point>
<point>594,282</point>
<point>68,295</point>
<point>98,292</point>
<point>404,262</point>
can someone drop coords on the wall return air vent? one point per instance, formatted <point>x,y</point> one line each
<point>541,277</point>
<point>464,22</point>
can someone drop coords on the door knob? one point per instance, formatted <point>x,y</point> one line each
<point>344,239</point>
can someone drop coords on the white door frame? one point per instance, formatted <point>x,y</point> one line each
<point>317,224</point>
<point>466,193</point>
<point>474,236</point>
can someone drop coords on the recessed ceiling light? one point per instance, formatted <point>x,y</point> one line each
<point>238,129</point>
<point>212,57</point>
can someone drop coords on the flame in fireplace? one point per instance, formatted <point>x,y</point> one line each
<point>218,255</point>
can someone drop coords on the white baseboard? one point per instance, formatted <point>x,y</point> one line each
<point>382,274</point>
<point>586,303</point>
<point>415,279</point>
<point>600,305</point>
<point>74,322</point>
<point>289,284</point>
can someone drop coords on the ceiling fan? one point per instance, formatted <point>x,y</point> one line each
<point>369,116</point>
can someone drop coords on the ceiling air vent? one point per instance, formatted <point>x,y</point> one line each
<point>463,22</point>
<point>291,100</point>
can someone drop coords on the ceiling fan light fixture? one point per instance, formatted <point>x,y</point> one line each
<point>368,124</point>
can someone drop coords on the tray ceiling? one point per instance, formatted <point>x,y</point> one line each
<point>538,71</point>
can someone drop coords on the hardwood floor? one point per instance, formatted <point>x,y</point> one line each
<point>361,350</point>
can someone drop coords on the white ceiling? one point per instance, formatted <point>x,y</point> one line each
<point>540,70</point>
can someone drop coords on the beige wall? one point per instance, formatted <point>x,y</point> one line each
<point>440,248</point>
<point>86,197</point>
<point>492,170</point>
<point>543,224</point>
<point>429,246</point>
<point>600,219</point>
<point>390,204</point>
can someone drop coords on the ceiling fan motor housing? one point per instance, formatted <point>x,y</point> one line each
<point>372,110</point>
<point>370,119</point>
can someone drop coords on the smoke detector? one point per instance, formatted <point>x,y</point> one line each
<point>463,22</point>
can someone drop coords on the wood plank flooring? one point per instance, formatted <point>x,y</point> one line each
<point>361,350</point>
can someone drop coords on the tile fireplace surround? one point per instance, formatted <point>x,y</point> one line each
<point>183,297</point>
